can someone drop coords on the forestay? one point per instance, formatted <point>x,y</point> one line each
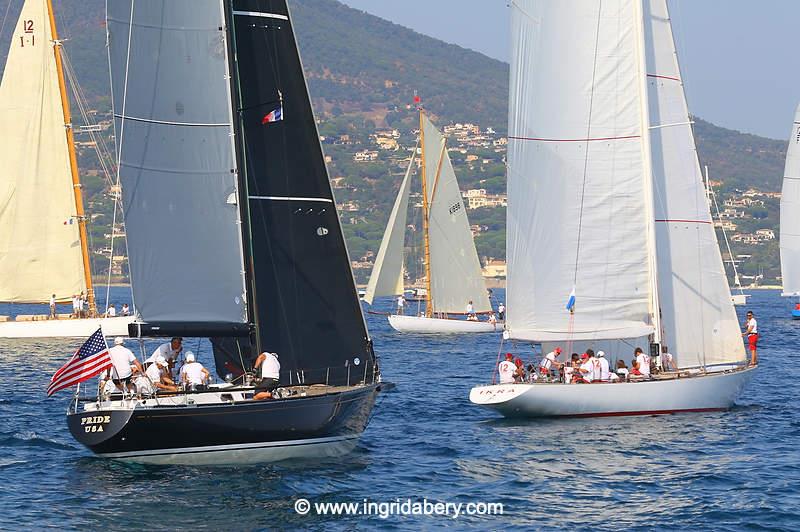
<point>790,214</point>
<point>40,251</point>
<point>454,266</point>
<point>699,321</point>
<point>577,214</point>
<point>387,274</point>
<point>174,130</point>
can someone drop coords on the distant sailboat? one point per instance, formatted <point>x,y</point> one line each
<point>790,218</point>
<point>452,270</point>
<point>234,236</point>
<point>43,241</point>
<point>610,240</point>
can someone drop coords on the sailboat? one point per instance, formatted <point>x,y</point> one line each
<point>740,298</point>
<point>790,218</point>
<point>44,250</point>
<point>234,237</point>
<point>453,277</point>
<point>610,239</point>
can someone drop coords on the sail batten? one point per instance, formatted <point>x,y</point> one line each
<point>790,214</point>
<point>40,248</point>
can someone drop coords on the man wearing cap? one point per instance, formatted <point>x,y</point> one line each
<point>506,368</point>
<point>550,362</point>
<point>602,362</point>
<point>270,375</point>
<point>169,351</point>
<point>157,376</point>
<point>122,361</point>
<point>193,373</point>
<point>587,366</point>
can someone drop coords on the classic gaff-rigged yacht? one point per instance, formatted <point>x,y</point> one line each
<point>790,218</point>
<point>607,215</point>
<point>43,243</point>
<point>452,269</point>
<point>234,236</point>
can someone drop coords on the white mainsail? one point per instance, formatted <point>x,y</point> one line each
<point>790,214</point>
<point>577,215</point>
<point>455,269</point>
<point>40,251</point>
<point>387,274</point>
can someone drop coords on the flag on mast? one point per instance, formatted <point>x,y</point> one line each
<point>89,361</point>
<point>571,301</point>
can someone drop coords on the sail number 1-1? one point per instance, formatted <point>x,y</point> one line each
<point>27,28</point>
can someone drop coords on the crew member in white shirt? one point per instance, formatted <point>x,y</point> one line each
<point>193,373</point>
<point>53,307</point>
<point>157,377</point>
<point>644,361</point>
<point>471,311</point>
<point>401,303</point>
<point>111,311</point>
<point>126,310</point>
<point>550,362</point>
<point>667,360</point>
<point>506,368</point>
<point>587,366</point>
<point>751,332</point>
<point>605,373</point>
<point>76,307</point>
<point>270,375</point>
<point>169,350</point>
<point>123,361</point>
<point>501,312</point>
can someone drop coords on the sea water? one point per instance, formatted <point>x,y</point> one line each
<point>427,445</point>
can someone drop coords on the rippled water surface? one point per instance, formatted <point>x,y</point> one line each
<point>731,470</point>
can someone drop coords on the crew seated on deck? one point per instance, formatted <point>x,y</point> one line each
<point>506,369</point>
<point>519,371</point>
<point>193,374</point>
<point>622,370</point>
<point>270,375</point>
<point>156,378</point>
<point>169,350</point>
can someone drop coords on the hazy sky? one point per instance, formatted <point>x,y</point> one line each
<point>738,57</point>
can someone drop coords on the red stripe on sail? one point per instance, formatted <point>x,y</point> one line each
<point>542,139</point>
<point>685,221</point>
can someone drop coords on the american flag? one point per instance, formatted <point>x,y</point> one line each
<point>90,360</point>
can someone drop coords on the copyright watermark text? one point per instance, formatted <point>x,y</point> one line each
<point>398,506</point>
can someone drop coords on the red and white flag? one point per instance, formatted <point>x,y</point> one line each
<point>89,361</point>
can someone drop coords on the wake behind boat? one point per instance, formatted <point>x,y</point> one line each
<point>455,293</point>
<point>255,256</point>
<point>610,237</point>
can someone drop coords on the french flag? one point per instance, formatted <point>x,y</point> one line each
<point>571,300</point>
<point>276,115</point>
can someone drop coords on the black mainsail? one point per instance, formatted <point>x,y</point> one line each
<point>233,227</point>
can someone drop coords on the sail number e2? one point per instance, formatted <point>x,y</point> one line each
<point>29,38</point>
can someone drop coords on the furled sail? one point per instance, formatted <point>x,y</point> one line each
<point>790,214</point>
<point>387,274</point>
<point>698,319</point>
<point>454,266</point>
<point>174,127</point>
<point>577,215</point>
<point>306,306</point>
<point>40,251</point>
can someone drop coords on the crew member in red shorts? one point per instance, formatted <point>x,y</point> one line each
<point>751,333</point>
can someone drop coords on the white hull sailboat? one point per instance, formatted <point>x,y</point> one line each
<point>790,218</point>
<point>453,276</point>
<point>703,394</point>
<point>739,299</point>
<point>428,325</point>
<point>43,241</point>
<point>611,243</point>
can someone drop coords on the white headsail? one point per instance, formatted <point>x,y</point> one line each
<point>174,127</point>
<point>387,274</point>
<point>577,211</point>
<point>790,214</point>
<point>455,269</point>
<point>699,321</point>
<point>40,251</point>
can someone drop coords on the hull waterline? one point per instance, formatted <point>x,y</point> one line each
<point>425,325</point>
<point>689,394</point>
<point>65,328</point>
<point>237,433</point>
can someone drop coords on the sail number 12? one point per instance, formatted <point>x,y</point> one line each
<point>27,28</point>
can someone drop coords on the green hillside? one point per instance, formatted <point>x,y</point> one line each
<point>363,72</point>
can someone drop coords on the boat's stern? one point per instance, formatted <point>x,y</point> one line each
<point>95,427</point>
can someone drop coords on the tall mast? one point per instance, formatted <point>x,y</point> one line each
<point>426,239</point>
<point>649,196</point>
<point>73,162</point>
